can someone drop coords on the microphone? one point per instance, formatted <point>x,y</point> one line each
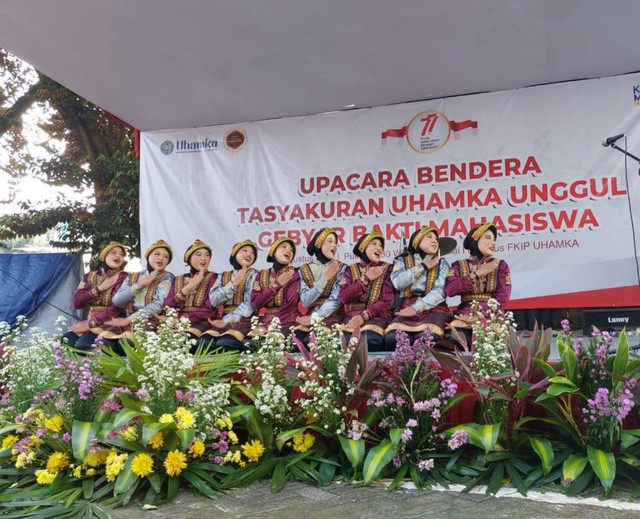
<point>611,140</point>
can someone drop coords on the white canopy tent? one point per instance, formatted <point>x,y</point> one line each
<point>160,64</point>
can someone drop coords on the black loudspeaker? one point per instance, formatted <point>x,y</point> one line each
<point>611,319</point>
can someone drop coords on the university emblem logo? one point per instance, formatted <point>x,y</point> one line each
<point>167,147</point>
<point>235,140</point>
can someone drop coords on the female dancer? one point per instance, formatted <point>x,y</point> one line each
<point>367,290</point>
<point>320,283</point>
<point>96,291</point>
<point>479,278</point>
<point>419,275</point>
<point>233,290</point>
<point>276,289</point>
<point>189,293</point>
<point>142,294</point>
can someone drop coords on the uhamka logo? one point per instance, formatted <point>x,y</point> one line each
<point>185,146</point>
<point>636,95</point>
<point>429,131</point>
<point>167,148</point>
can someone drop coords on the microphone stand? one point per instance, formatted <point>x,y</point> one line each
<point>625,152</point>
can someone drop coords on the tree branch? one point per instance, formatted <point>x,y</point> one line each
<point>11,117</point>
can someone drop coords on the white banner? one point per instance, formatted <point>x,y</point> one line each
<point>530,160</point>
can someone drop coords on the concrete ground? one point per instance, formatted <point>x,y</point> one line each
<point>299,501</point>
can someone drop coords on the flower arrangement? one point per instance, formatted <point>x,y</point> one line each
<point>97,426</point>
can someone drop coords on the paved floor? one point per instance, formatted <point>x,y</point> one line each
<point>299,501</point>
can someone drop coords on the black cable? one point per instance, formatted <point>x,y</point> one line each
<point>633,228</point>
<point>37,296</point>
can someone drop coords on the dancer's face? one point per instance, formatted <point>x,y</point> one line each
<point>330,246</point>
<point>200,259</point>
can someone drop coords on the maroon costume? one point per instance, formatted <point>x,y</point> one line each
<point>278,301</point>
<point>372,300</point>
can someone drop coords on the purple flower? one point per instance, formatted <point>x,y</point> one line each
<point>397,462</point>
<point>412,422</point>
<point>458,439</point>
<point>565,325</point>
<point>406,435</point>
<point>425,464</point>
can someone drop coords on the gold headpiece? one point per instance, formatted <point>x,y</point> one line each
<point>424,230</point>
<point>198,244</point>
<point>482,229</point>
<point>368,238</point>
<point>112,245</point>
<point>157,245</point>
<point>245,243</point>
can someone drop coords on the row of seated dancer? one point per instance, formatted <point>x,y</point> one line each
<point>374,296</point>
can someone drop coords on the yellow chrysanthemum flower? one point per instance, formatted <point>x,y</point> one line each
<point>184,419</point>
<point>224,423</point>
<point>175,462</point>
<point>253,450</point>
<point>142,465</point>
<point>35,442</point>
<point>91,472</point>
<point>233,437</point>
<point>97,459</point>
<point>112,471</point>
<point>77,472</point>
<point>57,461</point>
<point>24,459</point>
<point>115,463</point>
<point>54,423</point>
<point>166,418</point>
<point>44,477</point>
<point>130,434</point>
<point>197,449</point>
<point>9,440</point>
<point>303,442</point>
<point>157,440</point>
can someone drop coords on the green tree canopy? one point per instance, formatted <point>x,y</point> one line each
<point>84,148</point>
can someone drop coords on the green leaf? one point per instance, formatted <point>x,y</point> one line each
<point>88,485</point>
<point>545,367</point>
<point>124,416</point>
<point>569,360</point>
<point>497,477</point>
<point>150,429</point>
<point>572,467</point>
<point>516,478</point>
<point>622,355</point>
<point>543,449</point>
<point>81,435</point>
<point>629,438</point>
<point>125,479</point>
<point>604,465</point>
<point>561,389</point>
<point>377,459</point>
<point>482,436</point>
<point>396,435</point>
<point>354,450</point>
<point>186,437</point>
<point>277,478</point>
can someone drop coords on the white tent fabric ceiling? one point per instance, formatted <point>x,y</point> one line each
<point>160,64</point>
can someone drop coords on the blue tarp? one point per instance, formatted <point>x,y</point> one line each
<point>27,281</point>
